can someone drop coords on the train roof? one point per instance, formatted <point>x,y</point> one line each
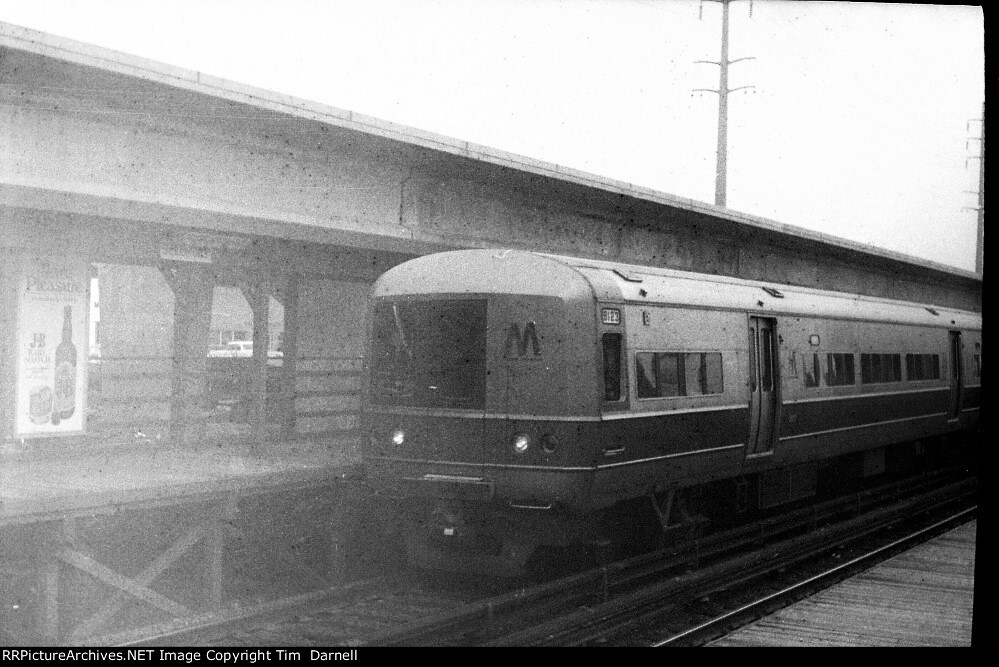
<point>653,285</point>
<point>575,278</point>
<point>485,272</point>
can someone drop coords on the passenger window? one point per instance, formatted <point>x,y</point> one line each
<point>712,365</point>
<point>612,366</point>
<point>839,369</point>
<point>932,366</point>
<point>693,374</point>
<point>812,369</point>
<point>922,367</point>
<point>875,368</point>
<point>668,374</point>
<point>645,363</point>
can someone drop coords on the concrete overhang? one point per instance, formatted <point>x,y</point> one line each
<point>71,65</point>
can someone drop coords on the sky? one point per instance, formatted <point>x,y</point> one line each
<point>859,120</point>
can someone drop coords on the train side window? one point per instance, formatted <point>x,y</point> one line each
<point>612,366</point>
<point>976,365</point>
<point>839,369</point>
<point>669,374</point>
<point>922,367</point>
<point>659,375</point>
<point>711,364</point>
<point>645,365</point>
<point>931,366</point>
<point>875,368</point>
<point>693,374</point>
<point>812,370</point>
<point>702,373</point>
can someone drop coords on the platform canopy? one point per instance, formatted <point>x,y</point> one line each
<point>101,146</point>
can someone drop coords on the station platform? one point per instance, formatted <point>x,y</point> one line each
<point>923,597</point>
<point>98,541</point>
<point>88,480</point>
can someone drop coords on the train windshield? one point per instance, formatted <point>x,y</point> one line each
<point>429,353</point>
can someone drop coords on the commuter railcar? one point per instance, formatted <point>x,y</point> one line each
<point>515,398</point>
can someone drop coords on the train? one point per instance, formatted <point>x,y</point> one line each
<point>517,402</point>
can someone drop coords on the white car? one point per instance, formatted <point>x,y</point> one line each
<point>241,348</point>
<point>236,348</point>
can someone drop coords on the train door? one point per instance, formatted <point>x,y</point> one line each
<point>956,376</point>
<point>763,383</point>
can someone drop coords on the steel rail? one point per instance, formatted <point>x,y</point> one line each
<point>596,587</point>
<point>604,621</point>
<point>821,580</point>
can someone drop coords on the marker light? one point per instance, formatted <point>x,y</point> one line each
<point>549,443</point>
<point>521,441</point>
<point>398,437</point>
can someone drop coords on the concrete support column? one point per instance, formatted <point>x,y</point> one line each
<point>192,287</point>
<point>257,292</point>
<point>287,293</point>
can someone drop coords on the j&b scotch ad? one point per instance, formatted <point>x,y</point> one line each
<point>52,346</point>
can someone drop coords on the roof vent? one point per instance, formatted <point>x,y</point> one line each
<point>629,276</point>
<point>776,293</point>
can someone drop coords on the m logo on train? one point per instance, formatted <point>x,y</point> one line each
<point>516,345</point>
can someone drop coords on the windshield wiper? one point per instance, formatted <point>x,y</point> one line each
<point>401,331</point>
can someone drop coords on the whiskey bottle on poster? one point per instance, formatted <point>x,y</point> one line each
<point>64,399</point>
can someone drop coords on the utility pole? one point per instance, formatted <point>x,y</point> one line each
<point>980,248</point>
<point>721,164</point>
<point>980,252</point>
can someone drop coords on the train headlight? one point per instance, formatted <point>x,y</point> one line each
<point>521,442</point>
<point>549,443</point>
<point>398,437</point>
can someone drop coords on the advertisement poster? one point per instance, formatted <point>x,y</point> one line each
<point>51,394</point>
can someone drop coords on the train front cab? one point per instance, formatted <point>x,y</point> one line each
<point>476,400</point>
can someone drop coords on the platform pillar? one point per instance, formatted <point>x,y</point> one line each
<point>192,288</point>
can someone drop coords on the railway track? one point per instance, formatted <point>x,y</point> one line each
<point>618,604</point>
<point>705,584</point>
<point>340,616</point>
<point>762,603</point>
